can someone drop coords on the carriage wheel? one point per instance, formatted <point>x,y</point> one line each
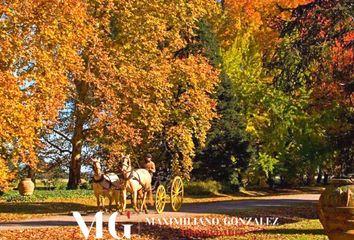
<point>177,192</point>
<point>160,199</point>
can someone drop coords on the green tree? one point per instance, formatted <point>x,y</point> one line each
<point>228,148</point>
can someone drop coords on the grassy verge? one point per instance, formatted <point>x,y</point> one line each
<point>43,195</point>
<point>42,203</point>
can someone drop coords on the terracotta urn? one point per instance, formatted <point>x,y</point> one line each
<point>26,187</point>
<point>336,209</point>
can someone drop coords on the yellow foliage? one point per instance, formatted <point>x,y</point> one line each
<point>259,16</point>
<point>38,48</point>
<point>122,51</point>
<point>5,176</point>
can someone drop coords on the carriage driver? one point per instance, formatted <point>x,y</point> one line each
<point>149,164</point>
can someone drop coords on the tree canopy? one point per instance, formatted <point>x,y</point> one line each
<point>249,89</point>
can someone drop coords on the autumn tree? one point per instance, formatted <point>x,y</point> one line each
<point>262,16</point>
<point>108,75</point>
<point>317,53</point>
<point>161,99</point>
<point>37,49</point>
<point>72,136</point>
<point>252,112</point>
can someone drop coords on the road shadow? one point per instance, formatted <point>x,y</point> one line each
<point>232,205</point>
<point>287,210</point>
<point>39,224</point>
<point>286,191</point>
<point>44,207</point>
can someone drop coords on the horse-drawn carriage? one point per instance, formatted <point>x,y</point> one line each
<point>139,183</point>
<point>164,181</point>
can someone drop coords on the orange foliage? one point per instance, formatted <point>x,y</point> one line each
<point>117,60</point>
<point>39,43</point>
<point>329,93</point>
<point>153,92</point>
<point>258,15</point>
<point>48,50</point>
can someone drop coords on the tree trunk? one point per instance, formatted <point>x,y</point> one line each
<point>309,178</point>
<point>32,174</point>
<point>240,182</point>
<point>325,178</point>
<point>282,181</point>
<point>75,163</point>
<point>270,181</point>
<point>81,115</point>
<point>319,177</point>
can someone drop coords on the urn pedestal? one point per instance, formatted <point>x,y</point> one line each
<point>26,187</point>
<point>336,209</point>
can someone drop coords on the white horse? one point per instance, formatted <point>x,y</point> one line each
<point>106,185</point>
<point>138,180</point>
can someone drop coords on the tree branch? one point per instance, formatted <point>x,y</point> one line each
<point>62,135</point>
<point>56,147</point>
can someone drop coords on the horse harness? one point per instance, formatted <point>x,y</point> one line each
<point>105,177</point>
<point>131,176</point>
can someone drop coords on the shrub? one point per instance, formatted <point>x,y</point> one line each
<point>202,187</point>
<point>86,185</point>
<point>60,185</point>
<point>229,188</point>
